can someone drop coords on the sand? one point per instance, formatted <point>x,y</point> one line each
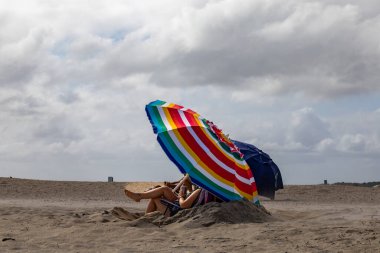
<point>53,216</point>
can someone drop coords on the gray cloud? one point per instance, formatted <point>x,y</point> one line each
<point>18,105</point>
<point>321,49</point>
<point>57,130</point>
<point>307,128</point>
<point>73,83</point>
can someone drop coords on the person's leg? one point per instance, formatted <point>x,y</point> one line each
<point>151,207</point>
<point>161,207</point>
<point>156,205</point>
<point>189,201</point>
<point>163,191</point>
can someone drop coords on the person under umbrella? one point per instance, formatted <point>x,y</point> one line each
<point>165,200</point>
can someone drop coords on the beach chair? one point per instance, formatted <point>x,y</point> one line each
<point>203,198</point>
<point>172,207</point>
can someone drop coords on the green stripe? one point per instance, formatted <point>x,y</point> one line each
<point>212,185</point>
<point>224,146</point>
<point>157,103</point>
<point>190,168</point>
<point>157,119</point>
<point>174,150</point>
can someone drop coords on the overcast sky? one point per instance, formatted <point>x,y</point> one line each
<point>299,79</point>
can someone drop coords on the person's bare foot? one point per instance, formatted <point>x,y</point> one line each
<point>135,196</point>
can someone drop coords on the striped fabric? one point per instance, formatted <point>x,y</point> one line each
<point>200,149</point>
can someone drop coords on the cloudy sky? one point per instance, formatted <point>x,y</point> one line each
<point>300,79</point>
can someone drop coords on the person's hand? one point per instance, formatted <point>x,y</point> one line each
<point>182,192</point>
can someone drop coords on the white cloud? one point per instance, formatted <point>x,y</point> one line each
<point>327,144</point>
<point>321,49</point>
<point>354,143</point>
<point>74,77</point>
<point>307,128</point>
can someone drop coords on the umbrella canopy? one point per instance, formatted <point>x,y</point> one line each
<point>267,174</point>
<point>198,147</point>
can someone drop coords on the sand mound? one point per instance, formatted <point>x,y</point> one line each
<point>233,212</point>
<point>216,213</point>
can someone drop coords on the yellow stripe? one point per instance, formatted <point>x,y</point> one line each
<point>247,195</point>
<point>196,118</point>
<point>199,161</point>
<point>171,105</point>
<point>204,166</point>
<point>195,114</point>
<point>169,119</point>
<point>244,194</point>
<point>211,138</point>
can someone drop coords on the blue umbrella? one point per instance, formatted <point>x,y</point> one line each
<point>267,174</point>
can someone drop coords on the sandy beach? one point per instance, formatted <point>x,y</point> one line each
<point>57,216</point>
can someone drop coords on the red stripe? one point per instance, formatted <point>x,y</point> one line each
<point>250,174</point>
<point>218,153</point>
<point>254,187</point>
<point>202,154</point>
<point>179,107</point>
<point>208,143</point>
<point>191,111</point>
<point>244,187</point>
<point>190,118</point>
<point>174,114</point>
<point>198,150</point>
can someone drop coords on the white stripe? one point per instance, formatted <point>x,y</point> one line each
<point>244,180</point>
<point>241,162</point>
<point>211,155</point>
<point>215,159</point>
<point>204,147</point>
<point>200,119</point>
<point>198,167</point>
<point>164,119</point>
<point>184,119</point>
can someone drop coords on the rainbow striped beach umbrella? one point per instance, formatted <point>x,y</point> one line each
<point>198,147</point>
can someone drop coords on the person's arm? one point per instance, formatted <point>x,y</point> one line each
<point>187,202</point>
<point>186,177</point>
